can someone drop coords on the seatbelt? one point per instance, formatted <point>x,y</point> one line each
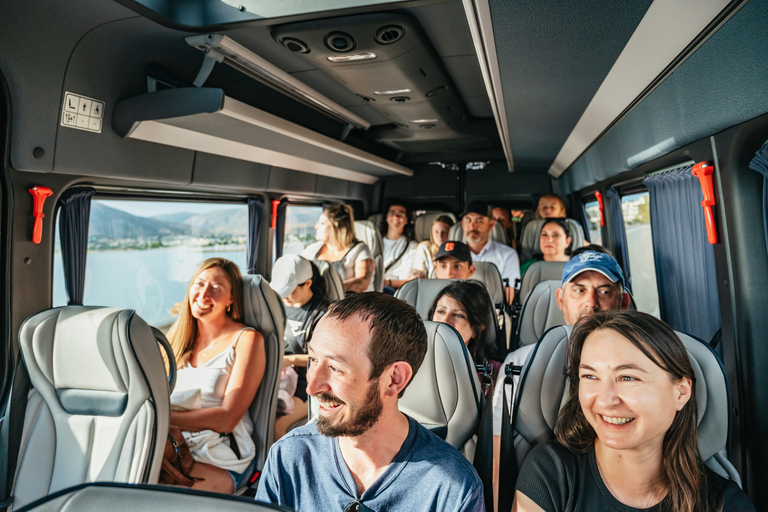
<point>483,461</point>
<point>507,456</point>
<point>10,434</point>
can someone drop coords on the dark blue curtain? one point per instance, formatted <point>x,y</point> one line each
<point>618,235</point>
<point>760,164</point>
<point>255,213</point>
<point>585,223</point>
<point>685,261</point>
<point>280,228</point>
<point>74,216</point>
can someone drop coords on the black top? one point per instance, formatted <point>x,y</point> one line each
<point>558,480</point>
<point>300,321</point>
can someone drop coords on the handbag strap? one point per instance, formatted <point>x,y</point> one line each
<point>10,434</point>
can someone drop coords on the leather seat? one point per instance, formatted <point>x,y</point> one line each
<point>543,388</point>
<point>540,271</point>
<point>422,225</point>
<point>333,283</point>
<point>539,313</point>
<point>99,405</point>
<point>529,241</point>
<point>497,234</point>
<point>366,232</point>
<point>264,311</point>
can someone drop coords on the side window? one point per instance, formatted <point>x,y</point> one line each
<point>300,227</point>
<point>636,211</point>
<point>141,254</point>
<point>593,221</point>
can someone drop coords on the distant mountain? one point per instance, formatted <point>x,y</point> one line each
<point>114,224</point>
<point>174,217</point>
<point>220,222</point>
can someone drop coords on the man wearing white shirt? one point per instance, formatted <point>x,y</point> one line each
<point>477,223</point>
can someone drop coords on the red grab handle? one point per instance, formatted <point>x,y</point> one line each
<point>704,171</point>
<point>275,204</point>
<point>599,197</point>
<point>39,194</point>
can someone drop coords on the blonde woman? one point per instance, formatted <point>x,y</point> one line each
<point>423,262</point>
<point>335,232</point>
<point>220,365</point>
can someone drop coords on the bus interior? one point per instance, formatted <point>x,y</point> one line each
<point>194,128</point>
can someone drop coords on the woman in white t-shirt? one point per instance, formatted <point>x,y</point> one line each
<point>335,232</point>
<point>399,248</point>
<point>424,261</point>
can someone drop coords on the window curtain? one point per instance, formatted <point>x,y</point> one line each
<point>255,213</point>
<point>74,216</point>
<point>618,235</point>
<point>585,223</point>
<point>685,261</point>
<point>760,164</point>
<point>280,228</point>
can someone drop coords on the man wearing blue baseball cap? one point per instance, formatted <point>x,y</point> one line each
<point>592,281</point>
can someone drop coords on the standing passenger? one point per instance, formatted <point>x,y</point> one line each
<point>399,248</point>
<point>335,232</point>
<point>363,454</point>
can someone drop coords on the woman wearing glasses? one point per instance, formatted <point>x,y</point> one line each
<point>399,247</point>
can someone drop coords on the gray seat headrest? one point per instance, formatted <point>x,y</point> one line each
<point>333,283</point>
<point>529,241</point>
<point>497,233</point>
<point>375,219</point>
<point>543,389</point>
<point>444,395</point>
<point>539,313</point>
<point>421,293</point>
<point>264,311</point>
<point>366,232</point>
<point>423,224</point>
<point>540,271</point>
<point>487,273</point>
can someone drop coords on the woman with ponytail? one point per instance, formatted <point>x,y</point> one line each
<point>627,435</point>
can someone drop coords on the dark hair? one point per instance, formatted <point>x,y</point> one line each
<point>683,472</point>
<point>397,330</point>
<point>408,230</point>
<point>563,224</point>
<point>473,296</point>
<point>318,287</point>
<point>445,220</point>
<point>591,247</point>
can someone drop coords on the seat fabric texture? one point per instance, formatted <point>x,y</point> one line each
<point>529,241</point>
<point>543,391</point>
<point>99,405</point>
<point>375,219</point>
<point>264,311</point>
<point>445,393</point>
<point>497,234</point>
<point>366,232</point>
<point>422,225</point>
<point>539,313</point>
<point>540,271</point>
<point>333,283</point>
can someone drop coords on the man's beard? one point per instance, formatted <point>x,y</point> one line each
<point>361,419</point>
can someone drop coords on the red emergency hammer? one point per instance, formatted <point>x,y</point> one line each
<point>39,194</point>
<point>599,197</point>
<point>703,171</point>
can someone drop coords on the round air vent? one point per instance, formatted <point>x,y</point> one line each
<point>340,42</point>
<point>365,98</point>
<point>399,99</point>
<point>436,91</point>
<point>389,34</point>
<point>295,45</point>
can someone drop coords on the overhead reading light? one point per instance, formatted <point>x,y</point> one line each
<point>220,48</point>
<point>419,121</point>
<point>396,91</point>
<point>352,58</point>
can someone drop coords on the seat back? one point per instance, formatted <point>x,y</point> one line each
<point>376,219</point>
<point>497,234</point>
<point>99,405</point>
<point>539,313</point>
<point>366,232</point>
<point>423,224</point>
<point>540,271</point>
<point>421,293</point>
<point>264,311</point>
<point>487,273</point>
<point>529,241</point>
<point>333,283</point>
<point>445,394</point>
<point>543,391</point>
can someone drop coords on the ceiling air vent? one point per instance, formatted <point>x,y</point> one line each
<point>295,45</point>
<point>340,42</point>
<point>389,34</point>
<point>399,99</point>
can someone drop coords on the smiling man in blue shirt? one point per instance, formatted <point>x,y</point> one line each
<point>363,453</point>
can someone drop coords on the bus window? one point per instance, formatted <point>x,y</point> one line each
<point>593,221</point>
<point>637,223</point>
<point>141,254</point>
<point>300,227</point>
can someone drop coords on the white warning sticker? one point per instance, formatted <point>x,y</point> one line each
<point>82,112</point>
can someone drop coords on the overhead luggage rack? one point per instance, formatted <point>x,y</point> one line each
<point>206,120</point>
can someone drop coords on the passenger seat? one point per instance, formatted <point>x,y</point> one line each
<point>529,241</point>
<point>366,231</point>
<point>423,224</point>
<point>334,285</point>
<point>540,312</point>
<point>99,405</point>
<point>540,271</point>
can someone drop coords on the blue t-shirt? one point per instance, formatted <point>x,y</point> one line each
<point>305,470</point>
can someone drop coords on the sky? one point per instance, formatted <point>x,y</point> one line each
<point>152,208</point>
